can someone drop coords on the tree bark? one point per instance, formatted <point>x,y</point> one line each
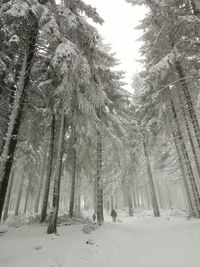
<point>147,194</point>
<point>153,193</point>
<point>37,200</point>
<point>130,202</point>
<point>16,114</point>
<point>188,101</point>
<point>19,197</point>
<point>184,177</point>
<point>7,201</point>
<point>49,171</point>
<point>27,193</point>
<point>73,181</point>
<point>52,226</point>
<point>99,179</point>
<point>187,160</point>
<point>190,139</point>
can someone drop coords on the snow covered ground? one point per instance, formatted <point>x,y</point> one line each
<point>133,242</point>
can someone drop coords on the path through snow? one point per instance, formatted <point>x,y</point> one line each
<point>135,242</point>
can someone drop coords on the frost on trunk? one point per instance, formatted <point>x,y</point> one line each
<point>188,101</point>
<point>130,202</point>
<point>16,113</point>
<point>190,138</point>
<point>19,196</point>
<point>8,195</point>
<point>73,181</point>
<point>99,179</point>
<point>95,195</point>
<point>151,182</point>
<point>184,177</point>
<point>49,171</point>
<point>37,200</point>
<point>27,193</point>
<point>187,162</point>
<point>52,226</point>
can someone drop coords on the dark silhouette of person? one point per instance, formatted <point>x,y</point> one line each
<point>113,215</point>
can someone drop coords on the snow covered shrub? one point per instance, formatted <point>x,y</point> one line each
<point>89,227</point>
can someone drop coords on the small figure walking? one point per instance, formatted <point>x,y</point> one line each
<point>113,215</point>
<point>94,217</point>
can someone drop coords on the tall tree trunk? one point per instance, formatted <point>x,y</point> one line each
<point>78,196</point>
<point>7,201</point>
<point>159,194</point>
<point>190,139</point>
<point>169,195</point>
<point>49,170</point>
<point>52,226</point>
<point>184,177</point>
<point>112,202</point>
<point>189,103</point>
<point>19,196</point>
<point>130,203</point>
<point>27,193</point>
<point>187,160</point>
<point>95,196</point>
<point>147,194</point>
<point>73,181</point>
<point>37,200</point>
<point>16,114</point>
<point>151,182</point>
<point>99,179</point>
<point>13,90</point>
<point>11,101</point>
<point>134,192</point>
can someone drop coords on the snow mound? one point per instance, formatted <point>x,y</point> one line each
<point>174,213</point>
<point>89,227</point>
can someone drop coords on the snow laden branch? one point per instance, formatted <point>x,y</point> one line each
<point>160,69</point>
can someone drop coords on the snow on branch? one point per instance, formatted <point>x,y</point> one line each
<point>65,15</point>
<point>91,12</point>
<point>21,8</point>
<point>164,64</point>
<point>64,56</point>
<point>136,2</point>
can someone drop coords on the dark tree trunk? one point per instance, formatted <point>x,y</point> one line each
<point>16,114</point>
<point>7,201</point>
<point>187,161</point>
<point>184,177</point>
<point>190,139</point>
<point>52,226</point>
<point>99,179</point>
<point>11,101</point>
<point>189,103</point>
<point>73,181</point>
<point>49,171</point>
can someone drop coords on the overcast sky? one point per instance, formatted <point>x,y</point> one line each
<point>118,30</point>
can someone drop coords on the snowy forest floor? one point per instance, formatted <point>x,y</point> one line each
<point>139,241</point>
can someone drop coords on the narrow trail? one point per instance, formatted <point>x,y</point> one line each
<point>135,242</point>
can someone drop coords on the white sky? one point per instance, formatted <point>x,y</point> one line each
<point>118,30</point>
